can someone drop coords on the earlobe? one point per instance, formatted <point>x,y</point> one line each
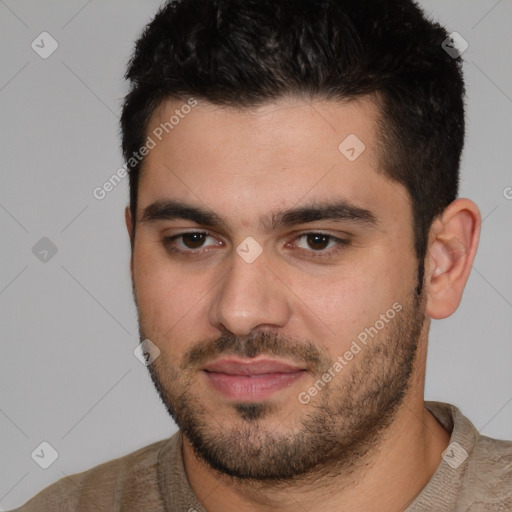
<point>452,247</point>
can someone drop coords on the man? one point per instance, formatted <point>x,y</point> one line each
<point>295,226</point>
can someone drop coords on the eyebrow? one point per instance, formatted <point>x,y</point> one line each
<point>337,211</point>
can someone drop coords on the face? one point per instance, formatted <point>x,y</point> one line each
<point>274,269</point>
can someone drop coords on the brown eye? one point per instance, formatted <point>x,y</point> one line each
<point>191,244</point>
<point>319,245</point>
<point>193,240</point>
<point>318,241</point>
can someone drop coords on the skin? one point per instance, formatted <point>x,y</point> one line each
<point>245,165</point>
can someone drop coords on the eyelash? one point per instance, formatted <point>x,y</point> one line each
<point>340,244</point>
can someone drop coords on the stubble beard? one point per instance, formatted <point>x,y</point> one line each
<point>339,427</point>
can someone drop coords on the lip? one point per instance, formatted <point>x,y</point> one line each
<point>237,366</point>
<point>251,380</point>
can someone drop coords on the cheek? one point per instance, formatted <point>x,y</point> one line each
<point>341,305</point>
<point>336,310</point>
<point>167,299</point>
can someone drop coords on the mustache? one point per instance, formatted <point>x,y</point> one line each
<point>263,343</point>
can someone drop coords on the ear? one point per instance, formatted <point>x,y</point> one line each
<point>453,241</point>
<point>129,226</point>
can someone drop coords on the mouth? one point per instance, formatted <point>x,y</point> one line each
<point>250,380</point>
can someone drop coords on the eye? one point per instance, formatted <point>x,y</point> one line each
<point>190,242</point>
<point>316,241</point>
<point>319,244</point>
<point>193,240</point>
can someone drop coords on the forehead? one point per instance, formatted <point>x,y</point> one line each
<point>265,158</point>
<point>287,123</point>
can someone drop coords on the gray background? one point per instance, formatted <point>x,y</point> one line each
<point>68,373</point>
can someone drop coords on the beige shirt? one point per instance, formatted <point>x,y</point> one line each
<point>474,476</point>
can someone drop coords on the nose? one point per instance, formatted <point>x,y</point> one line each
<point>250,297</point>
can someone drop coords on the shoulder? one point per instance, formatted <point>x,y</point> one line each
<point>115,485</point>
<point>488,478</point>
<point>476,470</point>
<point>492,454</point>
